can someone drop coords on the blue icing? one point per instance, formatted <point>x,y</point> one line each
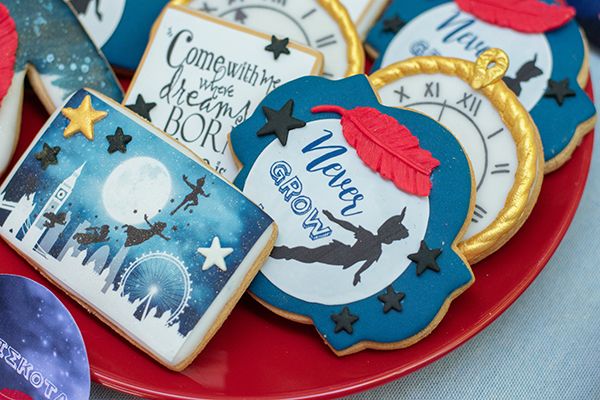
<point>557,124</point>
<point>54,42</point>
<point>449,208</point>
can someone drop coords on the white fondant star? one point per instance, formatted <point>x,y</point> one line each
<point>215,255</point>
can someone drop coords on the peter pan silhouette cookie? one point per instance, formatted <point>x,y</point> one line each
<point>502,142</point>
<point>548,58</point>
<point>367,247</point>
<point>105,226</point>
<point>197,90</point>
<point>44,40</point>
<point>364,13</point>
<point>321,24</point>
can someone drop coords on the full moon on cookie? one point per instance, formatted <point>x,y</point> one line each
<point>137,187</point>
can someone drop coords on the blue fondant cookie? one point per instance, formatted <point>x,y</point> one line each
<point>370,208</point>
<point>547,69</point>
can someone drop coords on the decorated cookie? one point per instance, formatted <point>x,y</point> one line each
<point>197,90</point>
<point>371,202</point>
<point>364,13</point>
<point>131,225</point>
<point>321,24</point>
<point>120,27</point>
<point>548,59</point>
<point>45,40</point>
<point>502,142</point>
<point>42,354</point>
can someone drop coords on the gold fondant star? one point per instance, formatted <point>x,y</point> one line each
<point>82,119</point>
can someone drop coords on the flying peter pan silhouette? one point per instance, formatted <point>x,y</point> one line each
<point>366,249</point>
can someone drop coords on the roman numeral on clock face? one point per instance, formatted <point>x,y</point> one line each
<point>402,94</point>
<point>478,214</point>
<point>470,102</point>
<point>501,169</point>
<point>432,89</point>
<point>326,41</point>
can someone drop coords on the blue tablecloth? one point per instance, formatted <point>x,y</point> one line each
<point>546,346</point>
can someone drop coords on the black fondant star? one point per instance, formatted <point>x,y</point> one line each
<point>344,321</point>
<point>278,46</point>
<point>426,258</point>
<point>391,300</point>
<point>280,122</point>
<point>141,107</point>
<point>393,24</point>
<point>559,90</point>
<point>118,141</point>
<point>48,155</point>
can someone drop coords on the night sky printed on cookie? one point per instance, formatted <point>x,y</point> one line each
<point>119,27</point>
<point>133,233</point>
<point>440,27</point>
<point>321,24</point>
<point>197,90</point>
<point>494,128</point>
<point>57,52</point>
<point>339,248</point>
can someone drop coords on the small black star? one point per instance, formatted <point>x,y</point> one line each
<point>394,24</point>
<point>344,321</point>
<point>141,107</point>
<point>48,156</point>
<point>559,90</point>
<point>426,258</point>
<point>240,17</point>
<point>391,300</point>
<point>118,141</point>
<point>278,46</point>
<point>280,122</point>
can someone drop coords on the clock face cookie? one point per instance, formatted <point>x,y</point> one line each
<point>364,13</point>
<point>119,27</point>
<point>134,227</point>
<point>495,130</point>
<point>321,24</point>
<point>44,40</point>
<point>547,69</point>
<point>366,250</point>
<point>197,90</point>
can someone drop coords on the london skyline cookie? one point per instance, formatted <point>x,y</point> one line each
<point>364,13</point>
<point>45,41</point>
<point>367,247</point>
<point>134,227</point>
<point>548,57</point>
<point>323,25</point>
<point>502,142</point>
<point>196,90</point>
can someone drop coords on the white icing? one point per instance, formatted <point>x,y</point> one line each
<point>10,118</point>
<point>317,282</point>
<point>101,27</point>
<point>295,20</point>
<point>364,13</point>
<point>472,123</point>
<point>206,132</point>
<point>435,33</point>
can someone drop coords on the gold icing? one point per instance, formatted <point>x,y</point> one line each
<point>529,175</point>
<point>82,119</point>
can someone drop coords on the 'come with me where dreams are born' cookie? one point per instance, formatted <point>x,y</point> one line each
<point>371,262</point>
<point>323,25</point>
<point>44,40</point>
<point>548,56</point>
<point>134,227</point>
<point>197,90</point>
<point>498,134</point>
<point>364,13</point>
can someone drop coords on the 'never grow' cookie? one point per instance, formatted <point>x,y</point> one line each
<point>131,225</point>
<point>321,24</point>
<point>548,56</point>
<point>370,209</point>
<point>502,142</point>
<point>197,90</point>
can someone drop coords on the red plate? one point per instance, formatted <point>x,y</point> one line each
<point>259,355</point>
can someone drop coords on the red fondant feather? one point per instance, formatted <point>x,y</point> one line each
<point>13,395</point>
<point>9,42</point>
<point>387,147</point>
<point>529,16</point>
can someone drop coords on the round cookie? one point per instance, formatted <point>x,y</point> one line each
<point>496,131</point>
<point>321,24</point>
<point>370,209</point>
<point>548,69</point>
